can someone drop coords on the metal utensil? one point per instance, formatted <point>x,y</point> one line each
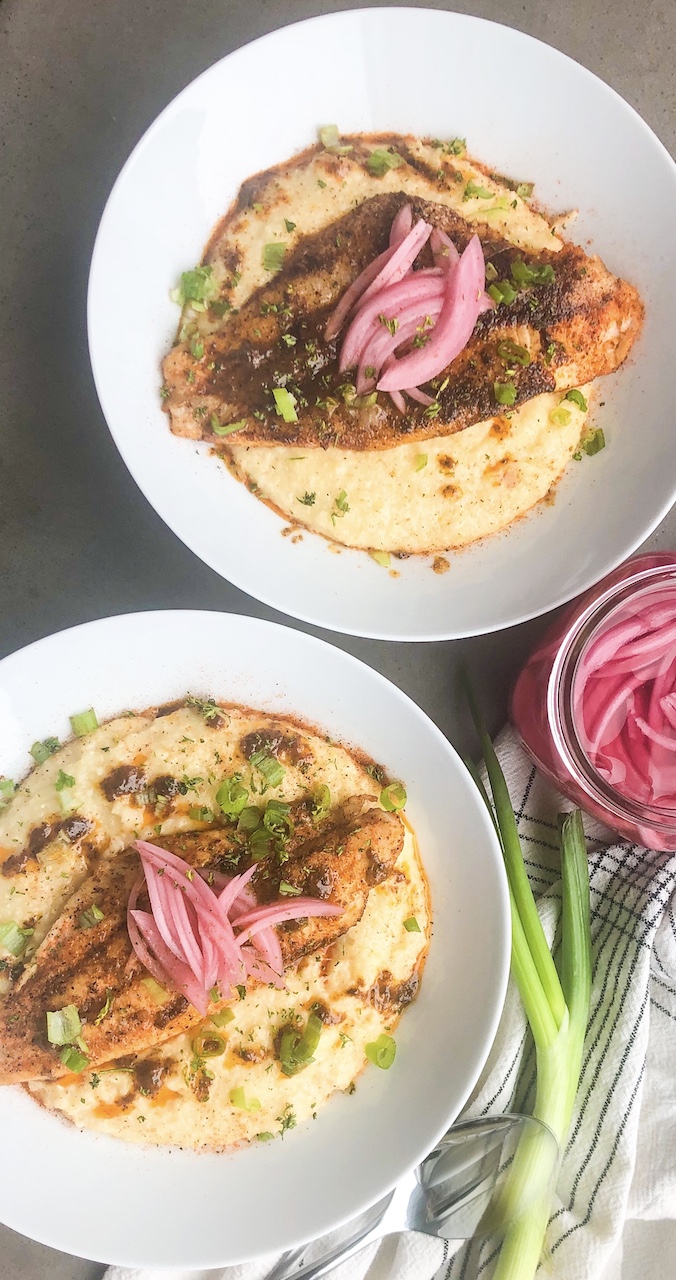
<point>446,1196</point>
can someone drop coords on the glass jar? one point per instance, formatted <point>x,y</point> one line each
<point>546,705</point>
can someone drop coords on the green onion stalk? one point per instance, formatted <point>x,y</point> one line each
<point>557,1009</point>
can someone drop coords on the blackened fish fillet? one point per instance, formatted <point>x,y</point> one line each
<point>575,328</point>
<point>339,860</point>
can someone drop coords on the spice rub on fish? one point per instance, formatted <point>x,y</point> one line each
<point>94,968</point>
<point>575,327</point>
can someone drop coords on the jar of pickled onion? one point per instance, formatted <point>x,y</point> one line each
<point>595,705</point>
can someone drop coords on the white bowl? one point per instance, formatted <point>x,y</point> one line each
<point>525,109</point>
<point>98,1197</point>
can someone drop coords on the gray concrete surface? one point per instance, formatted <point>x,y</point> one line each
<point>80,80</point>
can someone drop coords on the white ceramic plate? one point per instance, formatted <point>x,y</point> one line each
<point>525,109</point>
<point>91,1195</point>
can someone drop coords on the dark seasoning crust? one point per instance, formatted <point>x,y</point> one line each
<point>317,857</point>
<point>247,357</point>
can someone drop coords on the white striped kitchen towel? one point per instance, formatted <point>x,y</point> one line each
<point>616,1213</point>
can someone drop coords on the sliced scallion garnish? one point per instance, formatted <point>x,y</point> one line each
<point>92,916</point>
<point>208,1044</point>
<point>63,1025</point>
<point>41,751</point>
<point>474,191</point>
<point>560,416</point>
<point>231,797</point>
<point>381,161</point>
<point>513,353</point>
<point>289,890</point>
<point>577,398</point>
<point>74,1059</point>
<point>381,1052</point>
<point>157,993</point>
<point>411,925</point>
<point>285,404</point>
<point>594,442</point>
<point>272,770</point>
<point>13,938</point>
<point>273,255</point>
<point>201,813</point>
<point>296,1050</point>
<point>381,557</point>
<point>393,797</point>
<point>420,461</point>
<point>227,428</point>
<point>238,1099</point>
<point>504,392</point>
<point>222,1018</point>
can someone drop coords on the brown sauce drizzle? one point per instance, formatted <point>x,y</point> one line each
<point>126,780</point>
<point>388,996</point>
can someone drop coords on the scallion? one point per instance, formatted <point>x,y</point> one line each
<point>227,428</point>
<point>381,161</point>
<point>381,1052</point>
<point>222,1018</point>
<point>13,938</point>
<point>63,1025</point>
<point>273,255</point>
<point>411,925</point>
<point>381,557</point>
<point>560,416</point>
<point>84,722</point>
<point>41,751</point>
<point>74,1059</point>
<point>594,442</point>
<point>420,461</point>
<point>504,392</point>
<point>393,797</point>
<point>577,398</point>
<point>272,770</point>
<point>321,802</point>
<point>208,1044</point>
<point>285,404</point>
<point>474,191</point>
<point>296,1050</point>
<point>92,916</point>
<point>231,797</point>
<point>238,1099</point>
<point>289,890</point>
<point>64,780</point>
<point>557,1010</point>
<point>157,993</point>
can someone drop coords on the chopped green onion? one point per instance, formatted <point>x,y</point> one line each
<point>525,275</point>
<point>380,162</point>
<point>7,789</point>
<point>241,990</point>
<point>272,770</point>
<point>491,271</point>
<point>266,1136</point>
<point>64,1026</point>
<point>594,442</point>
<point>289,340</point>
<point>421,461</point>
<point>92,916</point>
<point>197,287</point>
<point>511,351</point>
<point>329,136</point>
<point>321,802</point>
<point>456,147</point>
<point>273,256</point>
<point>223,1018</point>
<point>276,818</point>
<point>200,813</point>
<point>381,557</point>
<point>577,398</point>
<point>238,1099</point>
<point>290,226</point>
<point>288,890</point>
<point>83,723</point>
<point>393,797</point>
<point>285,404</point>
<point>502,291</point>
<point>13,938</point>
<point>103,1013</point>
<point>41,751</point>
<point>157,993</point>
<point>381,1052</point>
<point>74,1059</point>
<point>504,392</point>
<point>260,844</point>
<point>341,503</point>
<point>297,1051</point>
<point>231,797</point>
<point>226,428</point>
<point>560,416</point>
<point>250,818</point>
<point>196,348</point>
<point>474,191</point>
<point>411,925</point>
<point>208,1044</point>
<point>64,780</point>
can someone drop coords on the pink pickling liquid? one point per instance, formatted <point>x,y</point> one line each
<point>595,705</point>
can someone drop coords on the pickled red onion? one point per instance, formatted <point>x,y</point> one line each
<point>624,700</point>
<point>187,939</point>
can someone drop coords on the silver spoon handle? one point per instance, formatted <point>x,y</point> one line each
<point>291,1263</point>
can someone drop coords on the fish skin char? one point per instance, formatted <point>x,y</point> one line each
<point>588,316</point>
<point>83,966</point>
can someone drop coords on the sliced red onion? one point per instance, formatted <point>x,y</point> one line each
<point>444,251</point>
<point>401,225</point>
<point>624,700</point>
<point>401,261</point>
<point>411,292</point>
<point>416,394</point>
<point>464,290</point>
<point>351,296</point>
<point>398,401</point>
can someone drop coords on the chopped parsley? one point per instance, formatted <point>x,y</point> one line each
<point>290,226</point>
<point>341,505</point>
<point>504,392</point>
<point>197,287</point>
<point>64,780</point>
<point>308,499</point>
<point>391,324</point>
<point>474,191</point>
